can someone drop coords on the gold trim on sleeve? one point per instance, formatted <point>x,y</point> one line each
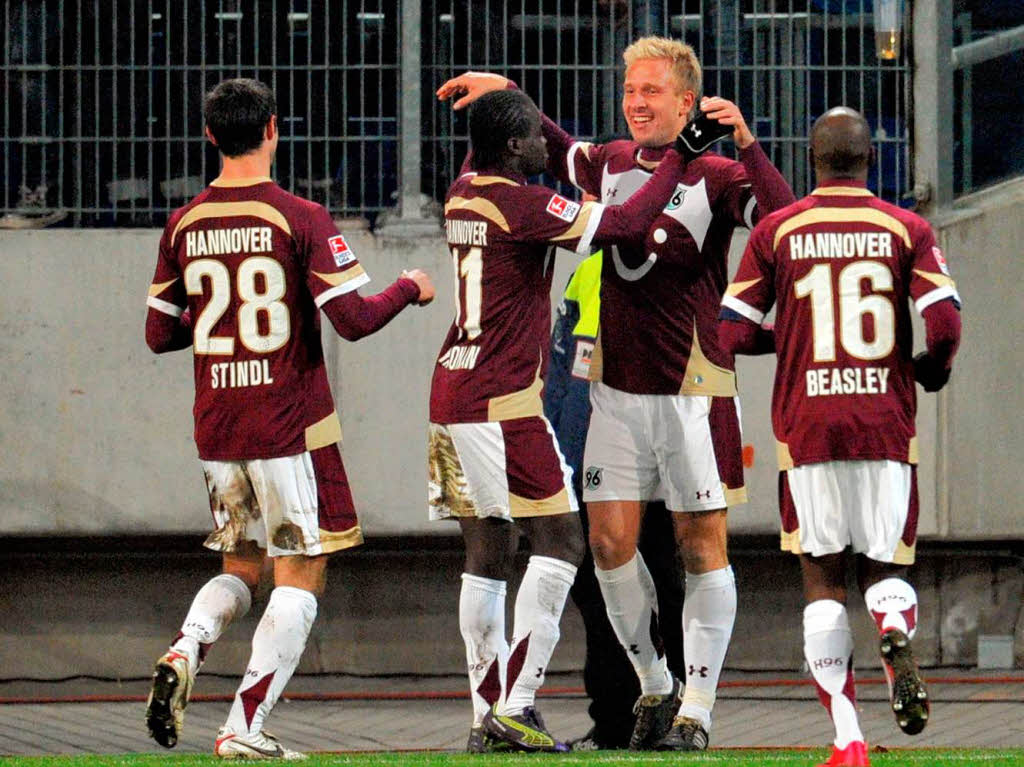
<point>939,280</point>
<point>579,226</point>
<point>825,215</point>
<point>783,456</point>
<point>334,279</point>
<point>159,287</point>
<point>324,432</point>
<point>703,377</point>
<point>735,288</point>
<point>542,507</point>
<point>481,207</point>
<point>252,208</point>
<point>330,542</point>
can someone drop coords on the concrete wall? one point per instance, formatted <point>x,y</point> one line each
<point>96,432</point>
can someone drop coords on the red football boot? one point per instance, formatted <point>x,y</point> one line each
<point>854,755</point>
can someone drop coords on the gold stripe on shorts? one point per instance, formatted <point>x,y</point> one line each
<point>543,507</point>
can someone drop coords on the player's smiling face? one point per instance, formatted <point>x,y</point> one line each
<point>654,102</point>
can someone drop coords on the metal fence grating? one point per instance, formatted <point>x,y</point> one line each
<point>103,111</point>
<point>783,61</point>
<point>102,115</point>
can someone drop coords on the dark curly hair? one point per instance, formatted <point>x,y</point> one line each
<point>496,117</point>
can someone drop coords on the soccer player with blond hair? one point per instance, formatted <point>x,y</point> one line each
<point>665,422</point>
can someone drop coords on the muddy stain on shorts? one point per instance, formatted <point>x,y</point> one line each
<point>288,536</point>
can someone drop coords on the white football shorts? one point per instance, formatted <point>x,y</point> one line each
<point>293,505</point>
<point>503,469</point>
<point>683,449</point>
<point>870,506</point>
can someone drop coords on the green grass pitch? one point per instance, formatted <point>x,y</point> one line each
<point>720,758</point>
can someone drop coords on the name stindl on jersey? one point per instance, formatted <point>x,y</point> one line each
<point>460,358</point>
<point>222,242</point>
<point>340,250</point>
<point>233,375</point>
<point>562,208</point>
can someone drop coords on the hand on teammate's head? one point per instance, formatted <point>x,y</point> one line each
<point>470,86</point>
<point>423,282</point>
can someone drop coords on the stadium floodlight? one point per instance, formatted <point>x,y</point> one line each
<point>888,26</point>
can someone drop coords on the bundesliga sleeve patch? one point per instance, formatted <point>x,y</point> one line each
<point>562,208</point>
<point>940,260</point>
<point>340,250</point>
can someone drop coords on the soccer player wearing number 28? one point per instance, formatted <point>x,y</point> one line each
<point>840,266</point>
<point>243,272</point>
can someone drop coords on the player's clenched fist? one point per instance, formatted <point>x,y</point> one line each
<point>471,86</point>
<point>422,280</point>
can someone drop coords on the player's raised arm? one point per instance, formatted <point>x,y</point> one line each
<point>768,189</point>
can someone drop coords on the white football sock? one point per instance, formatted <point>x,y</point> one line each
<point>632,605</point>
<point>221,600</point>
<point>893,604</point>
<point>277,646</point>
<point>539,605</point>
<point>828,648</point>
<point>482,622</point>
<point>709,612</point>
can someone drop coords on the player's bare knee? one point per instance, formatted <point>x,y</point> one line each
<point>609,550</point>
<point>559,536</point>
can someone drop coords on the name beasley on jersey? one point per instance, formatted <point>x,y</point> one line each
<point>825,381</point>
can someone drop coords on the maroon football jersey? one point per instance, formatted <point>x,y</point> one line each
<point>253,263</point>
<point>660,293</point>
<point>502,233</point>
<point>840,265</point>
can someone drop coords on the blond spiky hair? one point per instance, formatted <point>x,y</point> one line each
<point>684,60</point>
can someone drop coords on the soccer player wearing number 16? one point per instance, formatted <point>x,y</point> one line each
<point>493,455</point>
<point>242,273</point>
<point>840,266</point>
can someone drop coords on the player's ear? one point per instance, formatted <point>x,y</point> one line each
<point>209,135</point>
<point>872,156</point>
<point>271,130</point>
<point>514,147</point>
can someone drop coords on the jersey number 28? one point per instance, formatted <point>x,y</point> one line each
<point>253,303</point>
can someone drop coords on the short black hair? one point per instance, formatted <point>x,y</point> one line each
<point>237,112</point>
<point>496,117</point>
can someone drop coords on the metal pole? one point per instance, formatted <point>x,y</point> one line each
<point>990,47</point>
<point>409,221</point>
<point>933,104</point>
